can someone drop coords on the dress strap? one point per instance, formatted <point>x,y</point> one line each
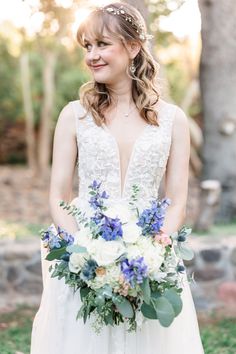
<point>79,112</point>
<point>167,116</point>
<point>78,109</point>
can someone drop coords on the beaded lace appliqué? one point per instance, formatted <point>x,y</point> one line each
<point>98,156</point>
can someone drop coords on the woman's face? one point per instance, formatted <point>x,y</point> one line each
<point>107,58</point>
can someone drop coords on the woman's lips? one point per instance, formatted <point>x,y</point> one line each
<point>96,67</point>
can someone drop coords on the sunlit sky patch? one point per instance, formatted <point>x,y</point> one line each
<point>185,22</point>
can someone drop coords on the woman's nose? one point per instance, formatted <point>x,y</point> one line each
<point>94,54</point>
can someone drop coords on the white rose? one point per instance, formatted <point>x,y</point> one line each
<point>159,276</point>
<point>105,252</point>
<point>144,243</point>
<point>153,257</point>
<point>120,211</point>
<point>133,251</point>
<point>131,232</point>
<point>83,237</point>
<point>77,261</point>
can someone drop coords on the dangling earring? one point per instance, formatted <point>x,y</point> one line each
<point>132,67</point>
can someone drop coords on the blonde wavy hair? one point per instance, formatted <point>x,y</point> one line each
<point>94,96</point>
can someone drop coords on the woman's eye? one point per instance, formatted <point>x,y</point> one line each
<point>87,46</point>
<point>101,44</point>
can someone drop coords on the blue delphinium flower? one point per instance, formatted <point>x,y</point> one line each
<point>88,270</point>
<point>151,220</point>
<point>134,270</point>
<point>50,239</point>
<point>97,199</point>
<point>53,240</point>
<point>97,218</point>
<point>95,185</point>
<point>110,228</point>
<point>68,238</point>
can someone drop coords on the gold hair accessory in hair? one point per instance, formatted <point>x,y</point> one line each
<point>134,23</point>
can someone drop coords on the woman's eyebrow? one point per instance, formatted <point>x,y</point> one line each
<point>97,39</point>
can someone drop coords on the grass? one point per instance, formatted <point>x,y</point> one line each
<point>18,230</point>
<point>221,229</point>
<point>219,338</point>
<point>15,330</point>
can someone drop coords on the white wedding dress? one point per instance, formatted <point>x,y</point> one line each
<point>55,328</point>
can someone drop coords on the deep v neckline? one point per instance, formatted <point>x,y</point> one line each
<point>131,157</point>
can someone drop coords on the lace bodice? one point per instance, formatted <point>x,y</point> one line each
<point>99,159</point>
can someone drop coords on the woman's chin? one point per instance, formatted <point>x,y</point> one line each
<point>103,80</point>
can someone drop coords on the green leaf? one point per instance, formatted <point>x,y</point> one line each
<point>184,252</point>
<point>109,319</point>
<point>123,306</point>
<point>106,291</point>
<point>174,298</point>
<point>145,286</point>
<point>56,254</point>
<point>84,292</point>
<point>99,300</point>
<point>76,249</point>
<point>148,311</point>
<point>156,294</point>
<point>164,310</point>
<point>185,230</point>
<point>80,313</point>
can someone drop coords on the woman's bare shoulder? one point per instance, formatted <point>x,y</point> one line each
<point>66,119</point>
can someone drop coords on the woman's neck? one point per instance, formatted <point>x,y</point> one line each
<point>121,94</point>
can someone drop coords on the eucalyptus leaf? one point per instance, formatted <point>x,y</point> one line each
<point>184,252</point>
<point>149,311</point>
<point>174,298</point>
<point>106,291</point>
<point>99,300</point>
<point>174,235</point>
<point>123,306</point>
<point>155,294</point>
<point>164,310</point>
<point>76,249</point>
<point>145,287</point>
<point>185,230</point>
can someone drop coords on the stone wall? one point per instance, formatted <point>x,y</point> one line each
<point>214,270</point>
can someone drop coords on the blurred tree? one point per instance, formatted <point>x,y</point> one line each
<point>218,88</point>
<point>28,105</point>
<point>10,103</point>
<point>56,25</point>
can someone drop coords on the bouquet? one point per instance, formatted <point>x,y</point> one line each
<point>125,267</point>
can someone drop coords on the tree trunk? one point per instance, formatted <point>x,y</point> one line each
<point>218,88</point>
<point>29,114</point>
<point>44,147</point>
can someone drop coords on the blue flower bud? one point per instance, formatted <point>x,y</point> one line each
<point>180,268</point>
<point>181,238</point>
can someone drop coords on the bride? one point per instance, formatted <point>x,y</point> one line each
<point>121,133</point>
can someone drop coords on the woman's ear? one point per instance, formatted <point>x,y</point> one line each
<point>133,48</point>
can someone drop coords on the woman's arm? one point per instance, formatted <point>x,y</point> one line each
<point>176,177</point>
<point>63,166</point>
